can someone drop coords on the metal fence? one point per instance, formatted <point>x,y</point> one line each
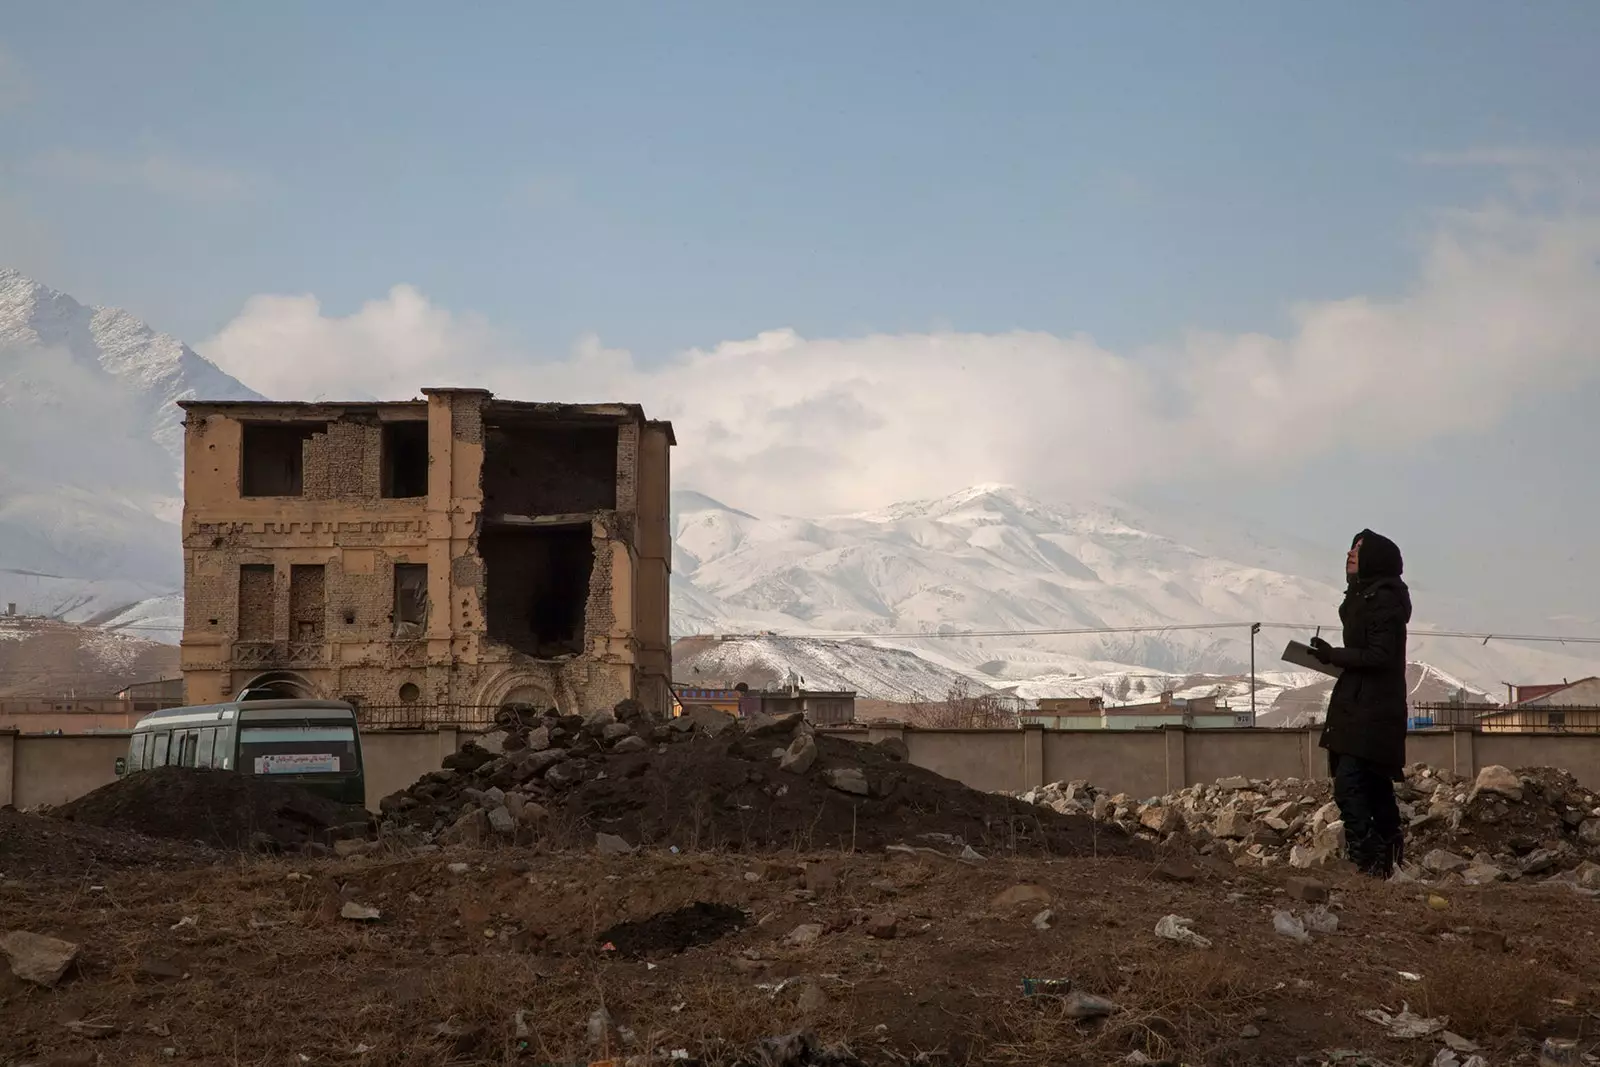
<point>427,716</point>
<point>1525,719</point>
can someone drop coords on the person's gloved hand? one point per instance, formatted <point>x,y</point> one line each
<point>1321,650</point>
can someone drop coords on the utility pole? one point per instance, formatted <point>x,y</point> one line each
<point>1255,628</point>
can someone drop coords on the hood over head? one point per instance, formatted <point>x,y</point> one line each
<point>1380,557</point>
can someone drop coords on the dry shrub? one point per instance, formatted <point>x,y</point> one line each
<point>962,709</point>
<point>1489,999</point>
<point>1170,1003</point>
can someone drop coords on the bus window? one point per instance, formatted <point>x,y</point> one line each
<point>208,741</point>
<point>297,749</point>
<point>163,740</point>
<point>188,747</point>
<point>136,752</point>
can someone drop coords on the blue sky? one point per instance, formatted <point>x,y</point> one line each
<point>672,176</point>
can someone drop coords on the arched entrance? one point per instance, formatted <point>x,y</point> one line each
<point>277,685</point>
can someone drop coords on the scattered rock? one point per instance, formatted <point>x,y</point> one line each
<point>1307,889</point>
<point>1441,862</point>
<point>1249,1031</point>
<point>848,780</point>
<point>1230,785</point>
<point>883,927</point>
<point>763,725</point>
<point>1500,780</point>
<point>501,821</point>
<point>357,912</point>
<point>632,743</point>
<point>813,999</point>
<point>1019,897</point>
<point>801,755</point>
<point>612,845</point>
<point>1176,869</point>
<point>470,829</point>
<point>38,958</point>
<point>1042,921</point>
<point>804,934</point>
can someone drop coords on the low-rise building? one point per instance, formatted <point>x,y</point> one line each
<point>456,550</point>
<point>1091,713</point>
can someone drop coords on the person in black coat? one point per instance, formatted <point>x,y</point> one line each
<point>1365,732</point>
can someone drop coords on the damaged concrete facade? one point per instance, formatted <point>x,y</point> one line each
<point>456,550</point>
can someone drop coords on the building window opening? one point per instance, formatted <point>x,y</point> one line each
<point>272,457</point>
<point>410,599</point>
<point>405,459</point>
<point>537,583</point>
<point>548,468</point>
<point>410,693</point>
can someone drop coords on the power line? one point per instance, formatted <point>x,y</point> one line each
<point>1090,631</point>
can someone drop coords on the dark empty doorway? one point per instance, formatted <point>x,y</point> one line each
<point>537,579</point>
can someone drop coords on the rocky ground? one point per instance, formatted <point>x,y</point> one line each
<point>684,913</point>
<point>1534,823</point>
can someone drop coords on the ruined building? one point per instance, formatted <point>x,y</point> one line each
<point>456,550</point>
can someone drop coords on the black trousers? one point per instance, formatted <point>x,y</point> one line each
<point>1364,792</point>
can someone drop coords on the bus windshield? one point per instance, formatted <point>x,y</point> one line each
<point>297,749</point>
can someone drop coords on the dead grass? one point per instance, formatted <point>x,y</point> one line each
<point>1495,998</point>
<point>442,978</point>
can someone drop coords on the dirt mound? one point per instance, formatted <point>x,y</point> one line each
<point>39,848</point>
<point>673,931</point>
<point>711,781</point>
<point>1503,825</point>
<point>223,809</point>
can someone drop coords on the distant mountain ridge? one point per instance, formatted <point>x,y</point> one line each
<point>90,500</point>
<point>91,494</point>
<point>991,558</point>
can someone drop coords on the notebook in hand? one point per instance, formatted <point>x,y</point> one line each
<point>1300,655</point>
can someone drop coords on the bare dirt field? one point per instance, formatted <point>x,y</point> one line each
<point>612,889</point>
<point>512,955</point>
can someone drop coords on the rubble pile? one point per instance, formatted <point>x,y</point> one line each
<point>1504,825</point>
<point>219,809</point>
<point>620,780</point>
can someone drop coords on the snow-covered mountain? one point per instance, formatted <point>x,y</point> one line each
<point>90,498</point>
<point>90,490</point>
<point>992,559</point>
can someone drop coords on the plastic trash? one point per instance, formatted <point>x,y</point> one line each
<point>1288,924</point>
<point>1046,987</point>
<point>1322,921</point>
<point>1176,928</point>
<point>1559,1052</point>
<point>1407,1024</point>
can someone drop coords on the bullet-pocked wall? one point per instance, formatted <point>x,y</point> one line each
<point>453,550</point>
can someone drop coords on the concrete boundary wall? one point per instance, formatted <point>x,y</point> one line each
<point>1146,763</point>
<point>52,769</point>
<point>55,768</point>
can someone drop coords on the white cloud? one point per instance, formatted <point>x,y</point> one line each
<point>1506,306</point>
<point>154,172</point>
<point>1531,171</point>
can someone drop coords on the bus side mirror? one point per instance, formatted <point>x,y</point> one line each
<point>122,766</point>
